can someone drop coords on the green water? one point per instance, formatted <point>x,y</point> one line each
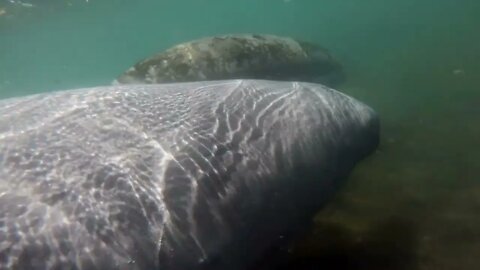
<point>415,204</point>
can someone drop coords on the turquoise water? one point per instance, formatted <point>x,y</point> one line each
<point>415,204</point>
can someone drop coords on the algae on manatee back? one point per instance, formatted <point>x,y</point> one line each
<point>238,56</point>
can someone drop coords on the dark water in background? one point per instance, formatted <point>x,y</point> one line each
<point>415,204</point>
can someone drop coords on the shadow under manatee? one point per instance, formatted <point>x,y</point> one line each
<point>390,245</point>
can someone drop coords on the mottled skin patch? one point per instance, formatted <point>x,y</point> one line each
<point>238,56</point>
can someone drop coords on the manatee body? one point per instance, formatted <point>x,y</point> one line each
<point>241,56</point>
<point>203,175</point>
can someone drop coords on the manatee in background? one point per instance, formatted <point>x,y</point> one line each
<point>203,175</point>
<point>241,56</point>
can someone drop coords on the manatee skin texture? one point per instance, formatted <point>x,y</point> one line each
<point>240,56</point>
<point>204,175</point>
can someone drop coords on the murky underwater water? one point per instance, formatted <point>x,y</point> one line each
<point>414,204</point>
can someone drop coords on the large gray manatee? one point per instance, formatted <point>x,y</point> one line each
<point>203,175</point>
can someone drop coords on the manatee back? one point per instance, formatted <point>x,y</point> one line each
<point>238,56</point>
<point>177,176</point>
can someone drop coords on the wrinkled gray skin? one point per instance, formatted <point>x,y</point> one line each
<point>241,56</point>
<point>203,175</point>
